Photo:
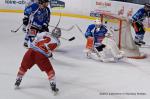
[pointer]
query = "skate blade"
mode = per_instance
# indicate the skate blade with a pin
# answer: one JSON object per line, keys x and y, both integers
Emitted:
{"x": 16, "y": 87}
{"x": 55, "y": 93}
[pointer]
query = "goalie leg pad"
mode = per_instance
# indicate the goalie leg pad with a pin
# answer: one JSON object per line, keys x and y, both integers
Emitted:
{"x": 89, "y": 43}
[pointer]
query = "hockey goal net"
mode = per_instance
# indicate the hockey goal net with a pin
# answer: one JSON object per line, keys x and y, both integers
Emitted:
{"x": 122, "y": 34}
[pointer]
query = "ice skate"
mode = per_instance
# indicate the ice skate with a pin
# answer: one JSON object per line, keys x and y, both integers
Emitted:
{"x": 54, "y": 88}
{"x": 137, "y": 43}
{"x": 17, "y": 83}
{"x": 142, "y": 42}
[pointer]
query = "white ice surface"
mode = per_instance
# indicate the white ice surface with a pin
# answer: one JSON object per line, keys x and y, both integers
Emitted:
{"x": 77, "y": 77}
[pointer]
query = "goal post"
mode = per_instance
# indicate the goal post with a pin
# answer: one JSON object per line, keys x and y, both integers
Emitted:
{"x": 122, "y": 34}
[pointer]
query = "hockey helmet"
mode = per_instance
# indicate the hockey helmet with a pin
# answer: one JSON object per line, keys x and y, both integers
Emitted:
{"x": 56, "y": 32}
{"x": 42, "y": 1}
{"x": 147, "y": 5}
{"x": 97, "y": 21}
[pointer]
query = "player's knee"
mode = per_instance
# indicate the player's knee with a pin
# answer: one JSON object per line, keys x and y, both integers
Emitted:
{"x": 22, "y": 71}
{"x": 50, "y": 73}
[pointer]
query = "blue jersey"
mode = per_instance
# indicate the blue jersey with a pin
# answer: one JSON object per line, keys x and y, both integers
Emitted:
{"x": 140, "y": 15}
{"x": 37, "y": 16}
{"x": 97, "y": 33}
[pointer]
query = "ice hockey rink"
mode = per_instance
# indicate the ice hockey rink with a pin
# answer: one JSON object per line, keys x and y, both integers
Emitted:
{"x": 77, "y": 77}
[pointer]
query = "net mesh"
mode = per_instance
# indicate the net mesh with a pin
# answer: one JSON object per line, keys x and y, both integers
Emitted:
{"x": 121, "y": 33}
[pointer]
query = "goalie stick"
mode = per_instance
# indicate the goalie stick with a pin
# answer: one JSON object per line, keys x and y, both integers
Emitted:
{"x": 14, "y": 31}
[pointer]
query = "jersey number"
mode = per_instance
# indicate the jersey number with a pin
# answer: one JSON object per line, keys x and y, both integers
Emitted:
{"x": 46, "y": 41}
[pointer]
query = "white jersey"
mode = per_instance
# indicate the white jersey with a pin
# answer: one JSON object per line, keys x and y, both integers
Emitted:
{"x": 45, "y": 43}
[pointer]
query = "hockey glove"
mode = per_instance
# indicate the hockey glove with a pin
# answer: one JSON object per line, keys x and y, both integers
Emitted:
{"x": 50, "y": 55}
{"x": 45, "y": 27}
{"x": 24, "y": 28}
{"x": 25, "y": 21}
{"x": 100, "y": 48}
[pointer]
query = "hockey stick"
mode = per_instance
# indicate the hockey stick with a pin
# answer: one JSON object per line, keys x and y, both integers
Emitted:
{"x": 70, "y": 39}
{"x": 69, "y": 29}
{"x": 79, "y": 29}
{"x": 145, "y": 46}
{"x": 128, "y": 20}
{"x": 14, "y": 31}
{"x": 58, "y": 21}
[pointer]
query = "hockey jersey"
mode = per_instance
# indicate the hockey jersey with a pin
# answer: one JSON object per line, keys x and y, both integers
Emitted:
{"x": 37, "y": 16}
{"x": 97, "y": 33}
{"x": 45, "y": 43}
{"x": 140, "y": 15}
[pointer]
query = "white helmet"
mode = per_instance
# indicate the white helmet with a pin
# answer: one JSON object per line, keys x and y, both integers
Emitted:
{"x": 56, "y": 32}
{"x": 98, "y": 22}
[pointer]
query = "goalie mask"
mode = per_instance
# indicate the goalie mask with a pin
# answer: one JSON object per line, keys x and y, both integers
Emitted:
{"x": 98, "y": 23}
{"x": 56, "y": 32}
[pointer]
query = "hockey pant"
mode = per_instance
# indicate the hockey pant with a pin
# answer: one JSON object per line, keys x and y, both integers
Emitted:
{"x": 139, "y": 31}
{"x": 31, "y": 58}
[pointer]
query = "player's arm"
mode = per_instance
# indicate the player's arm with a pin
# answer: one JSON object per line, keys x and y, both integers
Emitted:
{"x": 139, "y": 15}
{"x": 88, "y": 32}
{"x": 28, "y": 11}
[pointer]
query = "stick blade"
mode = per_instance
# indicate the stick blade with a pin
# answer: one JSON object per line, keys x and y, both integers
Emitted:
{"x": 71, "y": 39}
{"x": 13, "y": 31}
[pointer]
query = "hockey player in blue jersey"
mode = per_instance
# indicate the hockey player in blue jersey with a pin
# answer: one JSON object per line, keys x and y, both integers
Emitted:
{"x": 137, "y": 24}
{"x": 100, "y": 41}
{"x": 97, "y": 31}
{"x": 36, "y": 19}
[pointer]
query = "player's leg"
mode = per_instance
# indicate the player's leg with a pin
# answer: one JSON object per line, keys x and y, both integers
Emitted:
{"x": 27, "y": 63}
{"x": 89, "y": 46}
{"x": 139, "y": 33}
{"x": 112, "y": 49}
{"x": 45, "y": 65}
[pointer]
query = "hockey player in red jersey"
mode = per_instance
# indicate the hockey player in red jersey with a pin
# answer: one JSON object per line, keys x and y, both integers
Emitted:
{"x": 39, "y": 54}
